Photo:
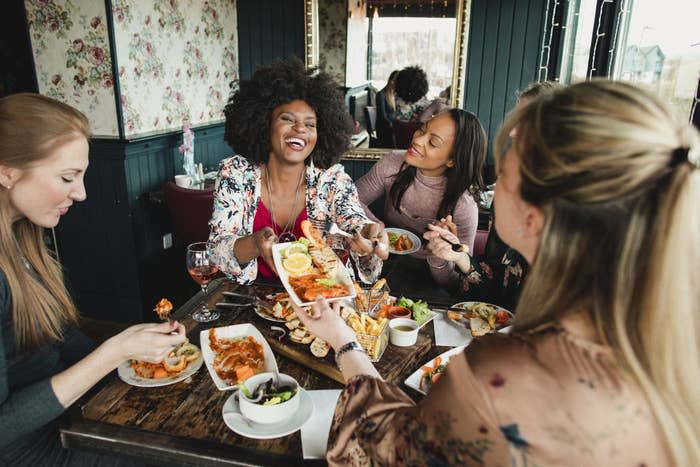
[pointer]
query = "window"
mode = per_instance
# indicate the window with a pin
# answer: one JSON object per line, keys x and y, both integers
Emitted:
{"x": 659, "y": 47}
{"x": 402, "y": 42}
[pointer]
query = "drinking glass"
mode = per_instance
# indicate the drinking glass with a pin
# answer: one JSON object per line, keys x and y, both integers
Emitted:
{"x": 202, "y": 267}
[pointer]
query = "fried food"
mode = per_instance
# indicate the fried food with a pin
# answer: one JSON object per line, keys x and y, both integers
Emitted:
{"x": 163, "y": 309}
{"x": 176, "y": 362}
{"x": 236, "y": 358}
{"x": 312, "y": 234}
{"x": 312, "y": 286}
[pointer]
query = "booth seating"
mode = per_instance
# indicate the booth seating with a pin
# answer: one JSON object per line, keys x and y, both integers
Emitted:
{"x": 403, "y": 133}
{"x": 190, "y": 211}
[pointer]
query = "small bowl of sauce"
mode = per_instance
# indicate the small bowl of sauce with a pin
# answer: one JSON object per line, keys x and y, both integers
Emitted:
{"x": 403, "y": 332}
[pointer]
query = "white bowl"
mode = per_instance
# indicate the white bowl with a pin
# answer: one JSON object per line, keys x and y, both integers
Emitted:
{"x": 267, "y": 414}
{"x": 403, "y": 337}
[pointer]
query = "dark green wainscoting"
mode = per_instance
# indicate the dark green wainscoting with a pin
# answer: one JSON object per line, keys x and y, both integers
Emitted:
{"x": 502, "y": 57}
{"x": 111, "y": 245}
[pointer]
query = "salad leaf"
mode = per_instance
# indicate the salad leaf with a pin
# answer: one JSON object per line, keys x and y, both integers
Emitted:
{"x": 421, "y": 312}
{"x": 406, "y": 302}
{"x": 329, "y": 282}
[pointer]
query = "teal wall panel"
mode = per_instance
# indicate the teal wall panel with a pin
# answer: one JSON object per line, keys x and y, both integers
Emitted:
{"x": 502, "y": 57}
{"x": 111, "y": 245}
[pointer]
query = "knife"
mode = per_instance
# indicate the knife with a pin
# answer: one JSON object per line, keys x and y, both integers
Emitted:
{"x": 254, "y": 299}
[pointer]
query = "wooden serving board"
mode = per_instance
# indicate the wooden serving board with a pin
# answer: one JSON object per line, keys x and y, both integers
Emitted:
{"x": 391, "y": 366}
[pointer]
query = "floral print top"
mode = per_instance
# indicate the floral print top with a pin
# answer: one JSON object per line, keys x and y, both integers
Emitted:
{"x": 496, "y": 276}
{"x": 330, "y": 194}
{"x": 410, "y": 112}
{"x": 535, "y": 398}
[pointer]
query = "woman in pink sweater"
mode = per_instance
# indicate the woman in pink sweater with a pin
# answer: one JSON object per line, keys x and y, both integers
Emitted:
{"x": 437, "y": 180}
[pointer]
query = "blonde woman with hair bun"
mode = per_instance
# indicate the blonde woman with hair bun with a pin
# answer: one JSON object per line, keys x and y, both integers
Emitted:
{"x": 46, "y": 362}
{"x": 599, "y": 194}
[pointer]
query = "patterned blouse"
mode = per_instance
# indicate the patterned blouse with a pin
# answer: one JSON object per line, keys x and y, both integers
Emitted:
{"x": 410, "y": 112}
{"x": 496, "y": 276}
{"x": 330, "y": 194}
{"x": 537, "y": 398}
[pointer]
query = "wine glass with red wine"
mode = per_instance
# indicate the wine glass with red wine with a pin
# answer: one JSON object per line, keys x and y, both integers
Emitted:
{"x": 203, "y": 269}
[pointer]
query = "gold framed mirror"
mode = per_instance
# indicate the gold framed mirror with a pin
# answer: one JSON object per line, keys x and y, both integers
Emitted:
{"x": 333, "y": 8}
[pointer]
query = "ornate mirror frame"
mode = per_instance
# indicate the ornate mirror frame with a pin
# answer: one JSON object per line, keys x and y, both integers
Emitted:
{"x": 463, "y": 12}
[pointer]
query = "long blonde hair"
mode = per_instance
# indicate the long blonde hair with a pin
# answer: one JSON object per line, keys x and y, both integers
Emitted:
{"x": 617, "y": 180}
{"x": 390, "y": 91}
{"x": 31, "y": 126}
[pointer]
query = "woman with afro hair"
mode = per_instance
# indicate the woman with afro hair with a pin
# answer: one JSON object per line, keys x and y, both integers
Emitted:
{"x": 288, "y": 127}
{"x": 411, "y": 88}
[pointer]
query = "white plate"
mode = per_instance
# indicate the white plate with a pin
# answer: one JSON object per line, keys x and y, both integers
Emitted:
{"x": 413, "y": 381}
{"x": 465, "y": 323}
{"x": 235, "y": 330}
{"x": 413, "y": 237}
{"x": 250, "y": 429}
{"x": 129, "y": 376}
{"x": 342, "y": 277}
{"x": 433, "y": 314}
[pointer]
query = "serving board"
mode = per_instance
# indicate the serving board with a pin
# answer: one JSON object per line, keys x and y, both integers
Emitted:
{"x": 394, "y": 361}
{"x": 391, "y": 366}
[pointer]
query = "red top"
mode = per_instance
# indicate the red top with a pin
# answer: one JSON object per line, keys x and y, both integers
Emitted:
{"x": 264, "y": 219}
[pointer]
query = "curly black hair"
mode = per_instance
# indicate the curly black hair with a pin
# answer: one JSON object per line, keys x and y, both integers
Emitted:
{"x": 411, "y": 84}
{"x": 249, "y": 110}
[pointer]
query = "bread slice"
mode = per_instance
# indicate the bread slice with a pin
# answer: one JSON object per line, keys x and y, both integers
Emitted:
{"x": 320, "y": 348}
{"x": 479, "y": 327}
{"x": 325, "y": 259}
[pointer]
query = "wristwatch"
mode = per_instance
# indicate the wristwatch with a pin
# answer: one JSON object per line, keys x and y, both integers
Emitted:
{"x": 350, "y": 346}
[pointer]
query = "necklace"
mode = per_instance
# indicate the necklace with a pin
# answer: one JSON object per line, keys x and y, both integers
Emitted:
{"x": 286, "y": 235}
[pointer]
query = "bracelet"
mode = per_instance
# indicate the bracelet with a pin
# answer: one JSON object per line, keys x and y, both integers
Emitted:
{"x": 345, "y": 348}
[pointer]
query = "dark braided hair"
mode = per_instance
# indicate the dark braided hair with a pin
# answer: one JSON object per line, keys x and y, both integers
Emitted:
{"x": 468, "y": 154}
{"x": 249, "y": 110}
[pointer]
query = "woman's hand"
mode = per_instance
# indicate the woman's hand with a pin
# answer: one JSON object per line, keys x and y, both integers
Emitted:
{"x": 149, "y": 342}
{"x": 264, "y": 239}
{"x": 325, "y": 322}
{"x": 372, "y": 238}
{"x": 437, "y": 245}
{"x": 447, "y": 223}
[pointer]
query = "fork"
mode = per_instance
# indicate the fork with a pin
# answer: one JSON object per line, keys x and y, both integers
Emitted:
{"x": 330, "y": 227}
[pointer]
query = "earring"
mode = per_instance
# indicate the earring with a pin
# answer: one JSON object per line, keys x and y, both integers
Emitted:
{"x": 9, "y": 187}
{"x": 519, "y": 230}
{"x": 311, "y": 164}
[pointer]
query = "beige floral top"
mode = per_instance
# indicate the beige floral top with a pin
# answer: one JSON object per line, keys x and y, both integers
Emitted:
{"x": 540, "y": 398}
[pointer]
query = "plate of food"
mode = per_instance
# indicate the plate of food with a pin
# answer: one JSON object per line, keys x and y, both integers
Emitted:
{"x": 309, "y": 268}
{"x": 480, "y": 318}
{"x": 402, "y": 242}
{"x": 181, "y": 363}
{"x": 234, "y": 353}
{"x": 279, "y": 311}
{"x": 424, "y": 377}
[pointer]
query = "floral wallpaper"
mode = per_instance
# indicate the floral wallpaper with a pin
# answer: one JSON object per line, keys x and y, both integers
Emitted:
{"x": 70, "y": 44}
{"x": 332, "y": 32}
{"x": 176, "y": 59}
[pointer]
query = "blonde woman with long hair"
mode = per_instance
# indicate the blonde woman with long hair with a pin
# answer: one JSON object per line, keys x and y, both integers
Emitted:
{"x": 598, "y": 191}
{"x": 46, "y": 363}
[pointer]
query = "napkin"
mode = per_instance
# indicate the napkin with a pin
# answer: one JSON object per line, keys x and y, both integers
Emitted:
{"x": 449, "y": 334}
{"x": 314, "y": 433}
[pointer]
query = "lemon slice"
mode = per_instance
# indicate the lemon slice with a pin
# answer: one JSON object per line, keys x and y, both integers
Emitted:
{"x": 297, "y": 263}
{"x": 295, "y": 248}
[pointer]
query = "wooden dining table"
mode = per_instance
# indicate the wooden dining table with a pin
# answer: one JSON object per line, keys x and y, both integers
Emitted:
{"x": 182, "y": 423}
